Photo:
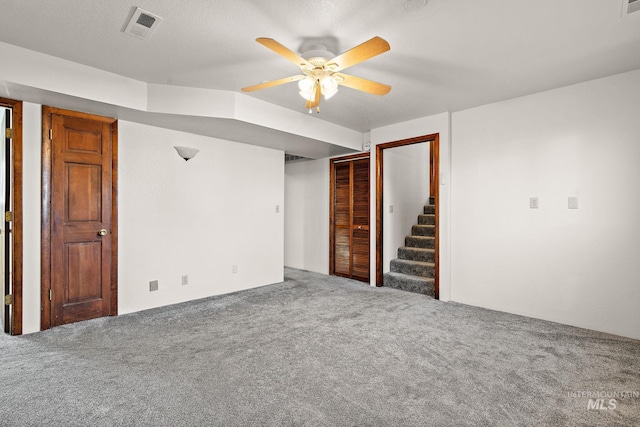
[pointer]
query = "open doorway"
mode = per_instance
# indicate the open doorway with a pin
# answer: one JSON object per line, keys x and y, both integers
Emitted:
{"x": 432, "y": 167}
{"x": 11, "y": 209}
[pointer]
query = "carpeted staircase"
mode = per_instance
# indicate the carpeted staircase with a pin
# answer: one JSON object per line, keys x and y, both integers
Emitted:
{"x": 414, "y": 269}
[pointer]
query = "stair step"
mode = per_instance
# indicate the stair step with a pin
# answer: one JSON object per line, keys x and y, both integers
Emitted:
{"x": 427, "y": 219}
{"x": 425, "y": 242}
{"x": 430, "y": 209}
{"x": 423, "y": 230}
{"x": 413, "y": 268}
{"x": 417, "y": 254}
{"x": 406, "y": 282}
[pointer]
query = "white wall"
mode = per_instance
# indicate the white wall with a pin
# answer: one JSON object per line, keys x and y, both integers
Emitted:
{"x": 129, "y": 97}
{"x": 196, "y": 218}
{"x": 31, "y": 214}
{"x": 406, "y": 189}
{"x": 306, "y": 230}
{"x": 578, "y": 267}
{"x": 439, "y": 124}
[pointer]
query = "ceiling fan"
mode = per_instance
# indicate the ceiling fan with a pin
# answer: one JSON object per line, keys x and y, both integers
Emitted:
{"x": 321, "y": 70}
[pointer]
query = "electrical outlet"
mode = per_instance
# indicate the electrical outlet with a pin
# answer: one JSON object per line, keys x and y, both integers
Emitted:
{"x": 153, "y": 285}
{"x": 277, "y": 208}
{"x": 185, "y": 280}
{"x": 234, "y": 269}
{"x": 390, "y": 208}
{"x": 533, "y": 202}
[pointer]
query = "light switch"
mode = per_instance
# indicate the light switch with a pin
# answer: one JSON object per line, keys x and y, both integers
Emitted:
{"x": 390, "y": 208}
{"x": 533, "y": 202}
{"x": 573, "y": 203}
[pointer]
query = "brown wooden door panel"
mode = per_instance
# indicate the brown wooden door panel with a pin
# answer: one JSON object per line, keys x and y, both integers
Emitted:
{"x": 360, "y": 237}
{"x": 81, "y": 206}
{"x": 342, "y": 252}
{"x": 350, "y": 217}
{"x": 84, "y": 184}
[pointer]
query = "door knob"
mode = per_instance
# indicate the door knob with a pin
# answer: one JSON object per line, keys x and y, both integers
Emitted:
{"x": 102, "y": 232}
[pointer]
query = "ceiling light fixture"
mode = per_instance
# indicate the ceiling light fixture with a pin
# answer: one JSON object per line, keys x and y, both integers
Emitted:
{"x": 187, "y": 153}
{"x": 309, "y": 86}
{"x": 322, "y": 69}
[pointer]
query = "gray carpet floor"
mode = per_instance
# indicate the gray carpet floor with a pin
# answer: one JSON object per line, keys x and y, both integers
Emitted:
{"x": 319, "y": 351}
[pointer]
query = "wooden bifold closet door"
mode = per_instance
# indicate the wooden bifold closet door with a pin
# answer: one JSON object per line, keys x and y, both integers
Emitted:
{"x": 349, "y": 238}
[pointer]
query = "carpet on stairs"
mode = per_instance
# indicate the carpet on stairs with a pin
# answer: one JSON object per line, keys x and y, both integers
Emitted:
{"x": 414, "y": 269}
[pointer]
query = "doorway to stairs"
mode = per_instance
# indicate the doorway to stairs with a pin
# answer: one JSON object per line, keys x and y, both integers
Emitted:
{"x": 433, "y": 167}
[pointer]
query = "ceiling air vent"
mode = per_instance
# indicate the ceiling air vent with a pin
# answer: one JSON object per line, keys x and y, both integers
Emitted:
{"x": 630, "y": 6}
{"x": 142, "y": 24}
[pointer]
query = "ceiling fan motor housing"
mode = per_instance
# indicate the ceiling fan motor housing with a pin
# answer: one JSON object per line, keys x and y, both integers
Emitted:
{"x": 318, "y": 57}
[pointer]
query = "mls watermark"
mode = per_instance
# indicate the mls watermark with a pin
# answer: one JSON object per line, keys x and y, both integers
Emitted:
{"x": 603, "y": 400}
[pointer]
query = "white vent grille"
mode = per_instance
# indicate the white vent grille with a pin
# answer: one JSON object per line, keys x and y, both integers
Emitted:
{"x": 630, "y": 6}
{"x": 292, "y": 158}
{"x": 142, "y": 24}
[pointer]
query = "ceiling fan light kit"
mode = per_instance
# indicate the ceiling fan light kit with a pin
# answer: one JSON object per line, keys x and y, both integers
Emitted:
{"x": 321, "y": 76}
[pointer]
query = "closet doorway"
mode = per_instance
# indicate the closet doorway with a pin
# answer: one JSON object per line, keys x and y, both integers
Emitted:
{"x": 349, "y": 217}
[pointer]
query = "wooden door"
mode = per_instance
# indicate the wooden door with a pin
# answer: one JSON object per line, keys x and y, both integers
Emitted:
{"x": 349, "y": 239}
{"x": 81, "y": 216}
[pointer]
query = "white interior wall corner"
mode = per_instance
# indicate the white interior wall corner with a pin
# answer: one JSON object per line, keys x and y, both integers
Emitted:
{"x": 570, "y": 266}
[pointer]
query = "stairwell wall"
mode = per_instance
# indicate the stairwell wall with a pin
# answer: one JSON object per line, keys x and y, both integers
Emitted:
{"x": 573, "y": 266}
{"x": 406, "y": 188}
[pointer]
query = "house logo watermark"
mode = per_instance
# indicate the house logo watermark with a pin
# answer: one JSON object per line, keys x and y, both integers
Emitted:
{"x": 603, "y": 400}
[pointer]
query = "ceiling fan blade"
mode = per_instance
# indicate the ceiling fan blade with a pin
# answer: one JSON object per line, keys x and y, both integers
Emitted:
{"x": 272, "y": 83}
{"x": 284, "y": 51}
{"x": 364, "y": 85}
{"x": 362, "y": 52}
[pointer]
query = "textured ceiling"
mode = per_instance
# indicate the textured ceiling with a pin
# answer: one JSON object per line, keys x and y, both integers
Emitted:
{"x": 447, "y": 56}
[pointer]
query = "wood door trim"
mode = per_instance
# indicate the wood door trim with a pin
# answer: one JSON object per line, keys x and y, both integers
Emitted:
{"x": 434, "y": 140}
{"x": 114, "y": 218}
{"x": 332, "y": 183}
{"x": 45, "y": 259}
{"x": 17, "y": 226}
{"x": 351, "y": 218}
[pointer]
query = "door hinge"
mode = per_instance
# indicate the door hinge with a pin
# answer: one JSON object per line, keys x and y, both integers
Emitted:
{"x": 8, "y": 133}
{"x": 8, "y": 299}
{"x": 51, "y": 134}
{"x": 50, "y": 295}
{"x": 8, "y": 216}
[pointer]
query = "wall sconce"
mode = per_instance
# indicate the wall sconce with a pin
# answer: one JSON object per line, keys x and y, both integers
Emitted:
{"x": 186, "y": 153}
